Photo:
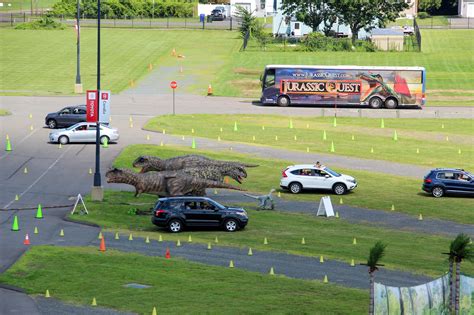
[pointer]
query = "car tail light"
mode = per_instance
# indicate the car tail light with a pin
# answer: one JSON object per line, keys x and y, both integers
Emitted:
{"x": 428, "y": 180}
{"x": 160, "y": 212}
{"x": 284, "y": 173}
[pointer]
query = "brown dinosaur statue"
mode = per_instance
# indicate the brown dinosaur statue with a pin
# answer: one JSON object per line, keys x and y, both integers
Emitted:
{"x": 211, "y": 168}
{"x": 166, "y": 183}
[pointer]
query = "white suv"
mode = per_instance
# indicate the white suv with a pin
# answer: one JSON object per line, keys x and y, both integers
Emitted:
{"x": 299, "y": 177}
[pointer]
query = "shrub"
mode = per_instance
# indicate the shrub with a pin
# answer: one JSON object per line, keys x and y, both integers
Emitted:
{"x": 423, "y": 15}
{"x": 45, "y": 23}
{"x": 318, "y": 42}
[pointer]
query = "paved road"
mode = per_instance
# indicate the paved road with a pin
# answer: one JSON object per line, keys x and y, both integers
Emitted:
{"x": 55, "y": 175}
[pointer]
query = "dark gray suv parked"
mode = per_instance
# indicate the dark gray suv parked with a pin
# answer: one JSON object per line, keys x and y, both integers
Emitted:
{"x": 66, "y": 117}
{"x": 175, "y": 213}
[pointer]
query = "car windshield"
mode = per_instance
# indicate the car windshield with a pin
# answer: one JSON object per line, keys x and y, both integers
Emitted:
{"x": 330, "y": 171}
{"x": 218, "y": 205}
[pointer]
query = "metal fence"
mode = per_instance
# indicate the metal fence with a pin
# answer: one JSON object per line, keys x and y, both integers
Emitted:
{"x": 448, "y": 23}
{"x": 13, "y": 19}
{"x": 416, "y": 29}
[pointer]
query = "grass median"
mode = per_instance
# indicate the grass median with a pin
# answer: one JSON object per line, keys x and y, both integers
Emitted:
{"x": 428, "y": 142}
{"x": 331, "y": 238}
{"x": 77, "y": 275}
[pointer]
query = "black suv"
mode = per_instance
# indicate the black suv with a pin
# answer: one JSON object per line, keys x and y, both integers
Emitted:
{"x": 218, "y": 15}
{"x": 66, "y": 117}
{"x": 441, "y": 181}
{"x": 175, "y": 213}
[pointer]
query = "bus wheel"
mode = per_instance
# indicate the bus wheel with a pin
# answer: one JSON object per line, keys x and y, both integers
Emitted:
{"x": 283, "y": 101}
{"x": 391, "y": 103}
{"x": 375, "y": 102}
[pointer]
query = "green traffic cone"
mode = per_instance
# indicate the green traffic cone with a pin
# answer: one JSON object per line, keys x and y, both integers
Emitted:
{"x": 332, "y": 146}
{"x": 395, "y": 136}
{"x": 8, "y": 146}
{"x": 382, "y": 124}
{"x": 15, "y": 224}
{"x": 334, "y": 122}
{"x": 235, "y": 126}
{"x": 193, "y": 145}
{"x": 105, "y": 144}
{"x": 324, "y": 135}
{"x": 39, "y": 212}
{"x": 291, "y": 124}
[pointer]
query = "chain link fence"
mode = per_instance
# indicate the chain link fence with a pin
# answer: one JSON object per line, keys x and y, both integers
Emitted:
{"x": 231, "y": 23}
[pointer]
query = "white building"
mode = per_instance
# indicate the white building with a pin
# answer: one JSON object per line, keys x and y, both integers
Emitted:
{"x": 260, "y": 8}
{"x": 466, "y": 8}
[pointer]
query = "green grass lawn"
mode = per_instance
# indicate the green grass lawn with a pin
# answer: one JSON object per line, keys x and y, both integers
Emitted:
{"x": 437, "y": 20}
{"x": 25, "y": 5}
{"x": 331, "y": 238}
{"x": 405, "y": 193}
{"x": 77, "y": 275}
{"x": 49, "y": 68}
{"x": 429, "y": 137}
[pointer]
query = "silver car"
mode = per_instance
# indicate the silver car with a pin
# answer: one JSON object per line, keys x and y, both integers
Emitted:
{"x": 83, "y": 132}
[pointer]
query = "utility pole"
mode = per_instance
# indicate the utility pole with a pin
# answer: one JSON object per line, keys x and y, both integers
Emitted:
{"x": 97, "y": 190}
{"x": 78, "y": 85}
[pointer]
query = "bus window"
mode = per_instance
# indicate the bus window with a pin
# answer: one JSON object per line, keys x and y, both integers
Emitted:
{"x": 269, "y": 78}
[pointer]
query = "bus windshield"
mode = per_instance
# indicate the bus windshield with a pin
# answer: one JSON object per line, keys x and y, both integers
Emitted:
{"x": 269, "y": 78}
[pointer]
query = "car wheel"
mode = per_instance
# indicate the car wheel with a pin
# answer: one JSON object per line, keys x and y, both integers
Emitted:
{"x": 175, "y": 226}
{"x": 391, "y": 103}
{"x": 339, "y": 189}
{"x": 63, "y": 140}
{"x": 295, "y": 188}
{"x": 102, "y": 139}
{"x": 52, "y": 123}
{"x": 283, "y": 101}
{"x": 231, "y": 225}
{"x": 437, "y": 192}
{"x": 375, "y": 102}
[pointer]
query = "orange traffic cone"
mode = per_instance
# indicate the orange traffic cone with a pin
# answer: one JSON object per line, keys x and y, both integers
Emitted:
{"x": 27, "y": 240}
{"x": 102, "y": 244}
{"x": 209, "y": 90}
{"x": 167, "y": 255}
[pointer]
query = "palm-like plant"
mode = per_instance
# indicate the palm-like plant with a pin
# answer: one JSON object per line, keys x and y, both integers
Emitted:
{"x": 460, "y": 249}
{"x": 375, "y": 255}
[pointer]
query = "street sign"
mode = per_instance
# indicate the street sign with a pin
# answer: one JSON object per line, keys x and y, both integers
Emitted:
{"x": 91, "y": 106}
{"x": 104, "y": 107}
{"x": 173, "y": 85}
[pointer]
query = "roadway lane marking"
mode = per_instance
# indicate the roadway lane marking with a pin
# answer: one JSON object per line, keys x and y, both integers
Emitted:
{"x": 40, "y": 177}
{"x": 19, "y": 142}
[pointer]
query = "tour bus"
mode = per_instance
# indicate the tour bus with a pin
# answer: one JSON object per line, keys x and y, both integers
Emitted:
{"x": 377, "y": 87}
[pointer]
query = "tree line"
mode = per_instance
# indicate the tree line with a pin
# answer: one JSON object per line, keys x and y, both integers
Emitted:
{"x": 126, "y": 8}
{"x": 321, "y": 15}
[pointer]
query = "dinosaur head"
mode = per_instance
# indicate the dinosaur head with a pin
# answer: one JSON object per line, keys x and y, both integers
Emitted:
{"x": 116, "y": 175}
{"x": 145, "y": 163}
{"x": 236, "y": 173}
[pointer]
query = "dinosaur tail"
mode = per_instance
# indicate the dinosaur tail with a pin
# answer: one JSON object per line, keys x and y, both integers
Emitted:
{"x": 216, "y": 184}
{"x": 247, "y": 195}
{"x": 250, "y": 165}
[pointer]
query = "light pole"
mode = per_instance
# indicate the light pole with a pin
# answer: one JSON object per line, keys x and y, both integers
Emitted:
{"x": 97, "y": 190}
{"x": 78, "y": 85}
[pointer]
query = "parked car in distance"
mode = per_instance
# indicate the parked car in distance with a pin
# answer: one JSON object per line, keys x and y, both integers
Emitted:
{"x": 177, "y": 213}
{"x": 442, "y": 181}
{"x": 308, "y": 176}
{"x": 218, "y": 15}
{"x": 66, "y": 117}
{"x": 83, "y": 132}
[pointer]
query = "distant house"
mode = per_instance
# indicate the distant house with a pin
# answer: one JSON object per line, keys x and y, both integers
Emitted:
{"x": 260, "y": 8}
{"x": 466, "y": 8}
{"x": 412, "y": 11}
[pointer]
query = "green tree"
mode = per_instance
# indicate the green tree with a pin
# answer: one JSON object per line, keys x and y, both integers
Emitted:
{"x": 310, "y": 12}
{"x": 429, "y": 5}
{"x": 249, "y": 23}
{"x": 365, "y": 14}
{"x": 375, "y": 255}
{"x": 460, "y": 249}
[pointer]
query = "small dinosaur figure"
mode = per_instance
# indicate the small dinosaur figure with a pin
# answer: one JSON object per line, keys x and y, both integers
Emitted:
{"x": 235, "y": 170}
{"x": 167, "y": 183}
{"x": 265, "y": 201}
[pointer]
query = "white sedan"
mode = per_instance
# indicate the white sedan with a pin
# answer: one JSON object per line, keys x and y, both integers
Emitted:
{"x": 83, "y": 132}
{"x": 307, "y": 176}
